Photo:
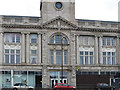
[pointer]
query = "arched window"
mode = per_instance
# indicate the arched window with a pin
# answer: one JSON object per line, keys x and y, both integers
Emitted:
{"x": 58, "y": 39}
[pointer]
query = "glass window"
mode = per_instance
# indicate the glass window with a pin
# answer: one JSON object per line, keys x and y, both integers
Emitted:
{"x": 12, "y": 56}
{"x": 86, "y": 57}
{"x": 58, "y": 56}
{"x": 65, "y": 56}
{"x": 33, "y": 38}
{"x": 57, "y": 59}
{"x": 109, "y": 58}
{"x": 52, "y": 56}
{"x": 12, "y": 38}
{"x": 58, "y": 39}
{"x": 108, "y": 41}
{"x": 33, "y": 56}
{"x": 52, "y": 40}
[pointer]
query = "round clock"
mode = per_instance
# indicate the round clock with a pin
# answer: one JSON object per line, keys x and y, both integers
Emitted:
{"x": 58, "y": 5}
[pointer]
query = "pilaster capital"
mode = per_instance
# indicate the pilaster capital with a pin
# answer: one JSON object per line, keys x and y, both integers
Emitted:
{"x": 25, "y": 32}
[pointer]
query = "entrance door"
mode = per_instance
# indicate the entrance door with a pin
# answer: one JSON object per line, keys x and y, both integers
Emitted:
{"x": 38, "y": 81}
{"x": 55, "y": 81}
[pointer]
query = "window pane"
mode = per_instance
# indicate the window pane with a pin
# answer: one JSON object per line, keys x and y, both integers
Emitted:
{"x": 86, "y": 59}
{"x": 113, "y": 60}
{"x": 65, "y": 56}
{"x": 86, "y": 53}
{"x": 104, "y": 60}
{"x": 6, "y": 50}
{"x": 91, "y": 53}
{"x": 33, "y": 52}
{"x": 33, "y": 59}
{"x": 12, "y": 51}
{"x": 33, "y": 38}
{"x": 6, "y": 59}
{"x": 91, "y": 59}
{"x": 6, "y": 37}
{"x": 12, "y": 38}
{"x": 12, "y": 59}
{"x": 52, "y": 40}
{"x": 17, "y": 51}
{"x": 64, "y": 40}
{"x": 104, "y": 41}
{"x": 58, "y": 56}
{"x": 17, "y": 59}
{"x": 58, "y": 39}
{"x": 81, "y": 59}
{"x": 81, "y": 53}
{"x": 52, "y": 57}
{"x": 108, "y": 41}
{"x": 17, "y": 38}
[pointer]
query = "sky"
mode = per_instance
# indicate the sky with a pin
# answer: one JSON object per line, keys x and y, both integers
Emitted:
{"x": 106, "y": 10}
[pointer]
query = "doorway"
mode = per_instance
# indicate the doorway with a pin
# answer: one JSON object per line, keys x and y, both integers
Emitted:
{"x": 53, "y": 82}
{"x": 38, "y": 81}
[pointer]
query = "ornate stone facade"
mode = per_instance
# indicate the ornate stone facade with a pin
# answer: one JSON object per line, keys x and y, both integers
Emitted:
{"x": 61, "y": 23}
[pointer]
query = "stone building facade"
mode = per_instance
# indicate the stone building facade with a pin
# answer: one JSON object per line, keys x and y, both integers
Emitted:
{"x": 35, "y": 50}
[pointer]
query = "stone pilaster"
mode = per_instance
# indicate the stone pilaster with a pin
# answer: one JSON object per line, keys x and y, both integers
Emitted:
{"x": 73, "y": 59}
{"x": 23, "y": 49}
{"x": 28, "y": 48}
{"x": 78, "y": 52}
{"x": 44, "y": 49}
{"x": 1, "y": 48}
{"x": 117, "y": 51}
{"x": 100, "y": 50}
{"x": 45, "y": 77}
{"x": 96, "y": 51}
{"x": 73, "y": 76}
{"x": 39, "y": 48}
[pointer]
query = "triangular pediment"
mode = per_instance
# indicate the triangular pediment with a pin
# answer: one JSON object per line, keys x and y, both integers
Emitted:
{"x": 59, "y": 23}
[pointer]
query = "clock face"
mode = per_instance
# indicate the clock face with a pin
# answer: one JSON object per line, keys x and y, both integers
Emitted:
{"x": 58, "y": 5}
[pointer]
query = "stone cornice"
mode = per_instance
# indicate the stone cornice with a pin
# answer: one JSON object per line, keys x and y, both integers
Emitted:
{"x": 99, "y": 30}
{"x": 42, "y": 27}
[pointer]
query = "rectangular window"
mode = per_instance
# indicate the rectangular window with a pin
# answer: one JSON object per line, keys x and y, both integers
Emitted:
{"x": 33, "y": 56}
{"x": 104, "y": 57}
{"x": 58, "y": 56}
{"x": 113, "y": 58}
{"x": 12, "y": 56}
{"x": 12, "y": 38}
{"x": 34, "y": 38}
{"x": 52, "y": 56}
{"x": 81, "y": 57}
{"x": 86, "y": 57}
{"x": 109, "y": 58}
{"x": 65, "y": 56}
{"x": 108, "y": 41}
{"x": 57, "y": 59}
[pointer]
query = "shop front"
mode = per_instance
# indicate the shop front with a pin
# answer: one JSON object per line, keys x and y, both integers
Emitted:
{"x": 10, "y": 77}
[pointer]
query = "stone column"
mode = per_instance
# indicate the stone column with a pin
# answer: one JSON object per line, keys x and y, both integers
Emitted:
{"x": 39, "y": 48}
{"x": 117, "y": 51}
{"x": 1, "y": 49}
{"x": 100, "y": 50}
{"x": 96, "y": 51}
{"x": 28, "y": 48}
{"x": 78, "y": 52}
{"x": 23, "y": 49}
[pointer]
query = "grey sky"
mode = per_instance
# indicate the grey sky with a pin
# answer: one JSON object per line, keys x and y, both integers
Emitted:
{"x": 106, "y": 10}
